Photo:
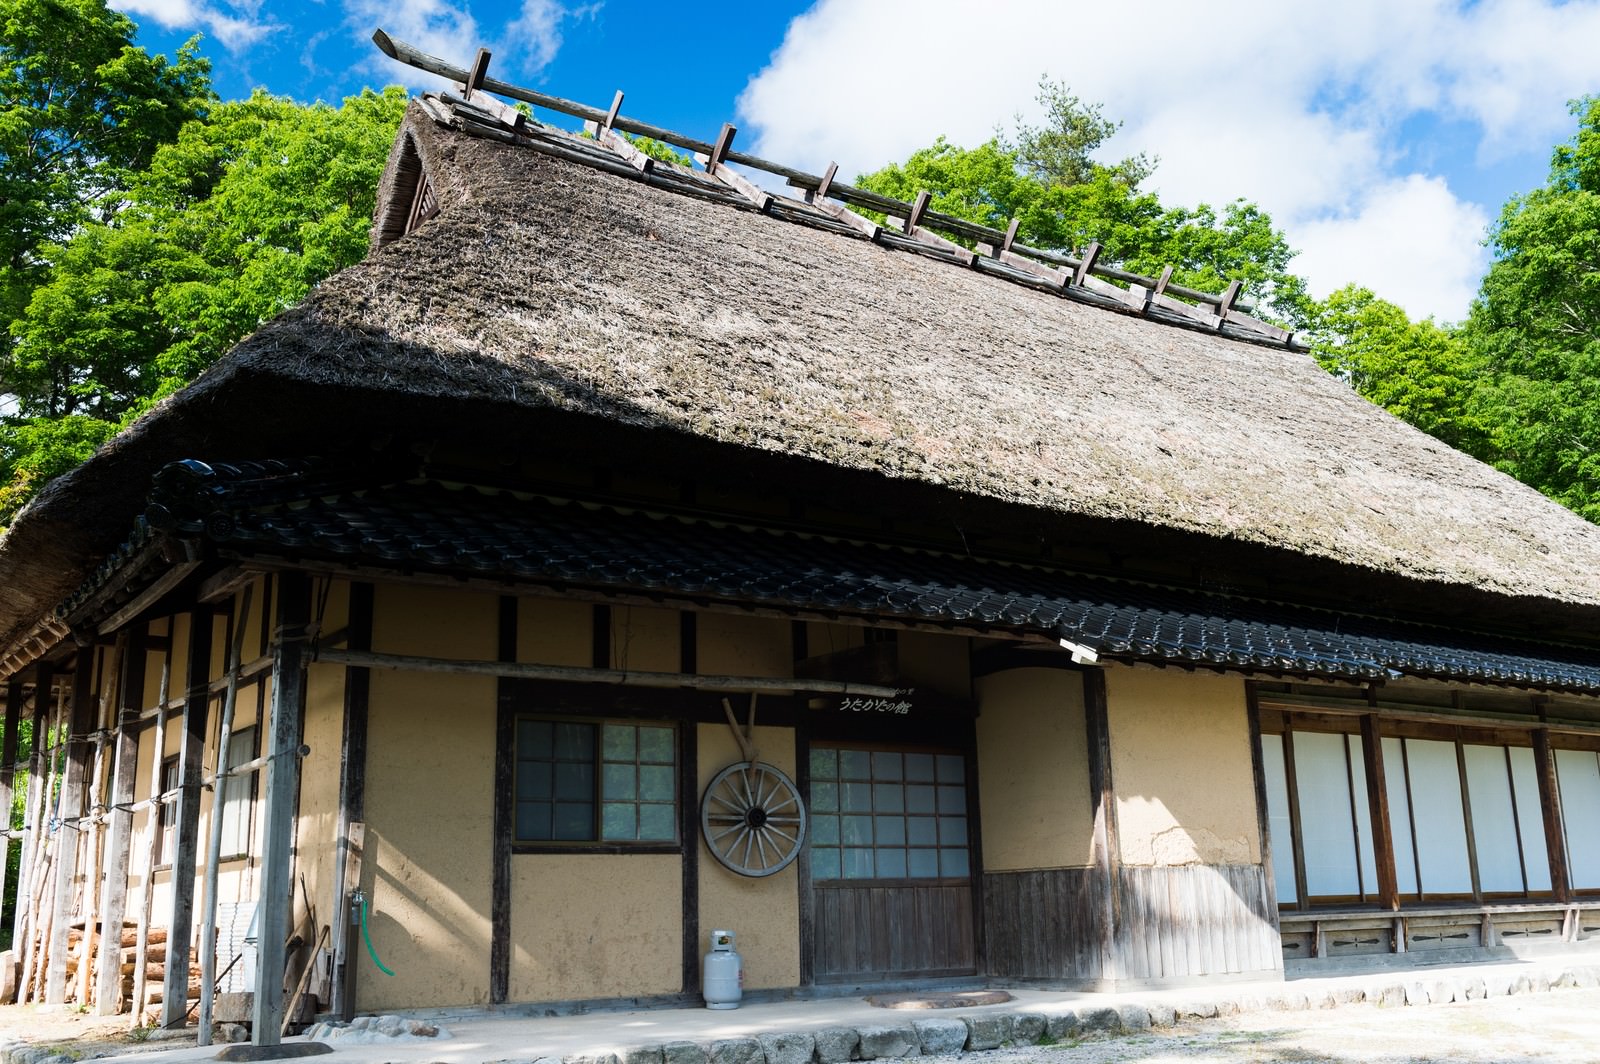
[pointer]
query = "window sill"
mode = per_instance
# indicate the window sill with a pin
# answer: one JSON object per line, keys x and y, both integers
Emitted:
{"x": 596, "y": 847}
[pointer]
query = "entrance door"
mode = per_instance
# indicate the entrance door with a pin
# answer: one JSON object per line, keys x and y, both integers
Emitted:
{"x": 891, "y": 865}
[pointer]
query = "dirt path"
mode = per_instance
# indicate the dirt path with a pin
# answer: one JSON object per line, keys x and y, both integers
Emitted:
{"x": 1563, "y": 1025}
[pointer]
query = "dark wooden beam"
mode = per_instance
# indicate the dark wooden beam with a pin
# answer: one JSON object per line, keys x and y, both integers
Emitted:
{"x": 1263, "y": 816}
{"x": 1107, "y": 860}
{"x": 802, "y": 863}
{"x": 1292, "y": 785}
{"x": 71, "y": 833}
{"x": 689, "y": 827}
{"x": 1555, "y": 838}
{"x": 276, "y": 897}
{"x": 352, "y": 799}
{"x": 1466, "y": 816}
{"x": 601, "y": 654}
{"x": 1378, "y": 806}
{"x": 125, "y": 766}
{"x": 505, "y": 812}
{"x": 186, "y": 830}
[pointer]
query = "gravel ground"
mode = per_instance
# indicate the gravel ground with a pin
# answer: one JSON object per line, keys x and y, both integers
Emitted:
{"x": 1563, "y": 1025}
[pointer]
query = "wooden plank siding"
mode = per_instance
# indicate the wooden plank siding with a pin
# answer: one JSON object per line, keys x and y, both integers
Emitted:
{"x": 1043, "y": 924}
{"x": 884, "y": 929}
{"x": 1194, "y": 920}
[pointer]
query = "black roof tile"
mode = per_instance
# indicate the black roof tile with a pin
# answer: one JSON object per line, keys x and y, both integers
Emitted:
{"x": 494, "y": 534}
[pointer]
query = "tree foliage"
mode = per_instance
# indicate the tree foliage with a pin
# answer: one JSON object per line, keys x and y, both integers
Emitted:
{"x": 1063, "y": 200}
{"x": 1419, "y": 371}
{"x": 82, "y": 109}
{"x": 229, "y": 224}
{"x": 1536, "y": 324}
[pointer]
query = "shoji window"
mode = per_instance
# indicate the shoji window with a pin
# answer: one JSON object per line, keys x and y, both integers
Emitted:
{"x": 1323, "y": 776}
{"x": 1579, "y": 774}
{"x": 1429, "y": 818}
{"x": 1451, "y": 803}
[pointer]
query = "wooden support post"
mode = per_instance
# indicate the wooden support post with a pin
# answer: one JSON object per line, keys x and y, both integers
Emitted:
{"x": 186, "y": 833}
{"x": 72, "y": 810}
{"x": 1263, "y": 819}
{"x": 114, "y": 895}
{"x": 95, "y": 809}
{"x": 352, "y": 802}
{"x": 719, "y": 151}
{"x": 1106, "y": 855}
{"x": 219, "y": 787}
{"x": 1555, "y": 839}
{"x": 283, "y": 772}
{"x": 475, "y": 76}
{"x": 1378, "y": 806}
{"x": 8, "y": 774}
{"x": 147, "y": 881}
{"x": 26, "y": 929}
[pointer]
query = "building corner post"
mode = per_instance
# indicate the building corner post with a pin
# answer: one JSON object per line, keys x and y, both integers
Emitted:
{"x": 289, "y": 660}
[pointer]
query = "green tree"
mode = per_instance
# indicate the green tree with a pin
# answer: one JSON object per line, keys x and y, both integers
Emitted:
{"x": 81, "y": 109}
{"x": 1536, "y": 325}
{"x": 1060, "y": 151}
{"x": 1419, "y": 371}
{"x": 991, "y": 185}
{"x": 230, "y": 224}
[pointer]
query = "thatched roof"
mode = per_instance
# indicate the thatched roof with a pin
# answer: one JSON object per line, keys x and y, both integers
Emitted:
{"x": 546, "y": 289}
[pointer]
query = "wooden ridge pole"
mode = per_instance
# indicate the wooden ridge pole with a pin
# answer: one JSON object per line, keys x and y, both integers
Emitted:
{"x": 114, "y": 889}
{"x": 147, "y": 881}
{"x": 208, "y": 917}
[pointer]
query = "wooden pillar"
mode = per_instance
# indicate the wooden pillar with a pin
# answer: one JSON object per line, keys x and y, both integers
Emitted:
{"x": 95, "y": 818}
{"x": 219, "y": 790}
{"x": 283, "y": 774}
{"x": 30, "y": 822}
{"x": 41, "y": 779}
{"x": 147, "y": 881}
{"x": 1555, "y": 837}
{"x": 186, "y": 832}
{"x": 1378, "y": 806}
{"x": 352, "y": 803}
{"x": 1106, "y": 853}
{"x": 114, "y": 887}
{"x": 1258, "y": 771}
{"x": 8, "y": 776}
{"x": 70, "y": 832}
{"x": 505, "y": 762}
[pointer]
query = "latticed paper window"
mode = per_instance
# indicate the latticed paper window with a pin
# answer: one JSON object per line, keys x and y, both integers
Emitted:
{"x": 584, "y": 782}
{"x": 888, "y": 814}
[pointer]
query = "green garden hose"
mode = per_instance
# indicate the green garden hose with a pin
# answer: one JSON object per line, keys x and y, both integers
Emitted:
{"x": 367, "y": 936}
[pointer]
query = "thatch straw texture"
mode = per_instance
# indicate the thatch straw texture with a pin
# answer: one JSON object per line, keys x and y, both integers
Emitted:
{"x": 546, "y": 285}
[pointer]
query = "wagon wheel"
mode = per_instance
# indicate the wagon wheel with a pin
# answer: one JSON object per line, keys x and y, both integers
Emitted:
{"x": 752, "y": 819}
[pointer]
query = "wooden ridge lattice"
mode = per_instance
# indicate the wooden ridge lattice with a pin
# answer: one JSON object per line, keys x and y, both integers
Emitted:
{"x": 822, "y": 201}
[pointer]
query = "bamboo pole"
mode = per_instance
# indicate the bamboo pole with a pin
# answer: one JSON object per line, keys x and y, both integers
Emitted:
{"x": 147, "y": 882}
{"x": 208, "y": 918}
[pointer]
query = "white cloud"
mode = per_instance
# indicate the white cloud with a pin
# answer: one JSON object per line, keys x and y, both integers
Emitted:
{"x": 1299, "y": 107}
{"x": 523, "y": 45}
{"x": 233, "y": 31}
{"x": 1405, "y": 243}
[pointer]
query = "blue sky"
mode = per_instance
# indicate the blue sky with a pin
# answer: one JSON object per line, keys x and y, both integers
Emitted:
{"x": 1382, "y": 135}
